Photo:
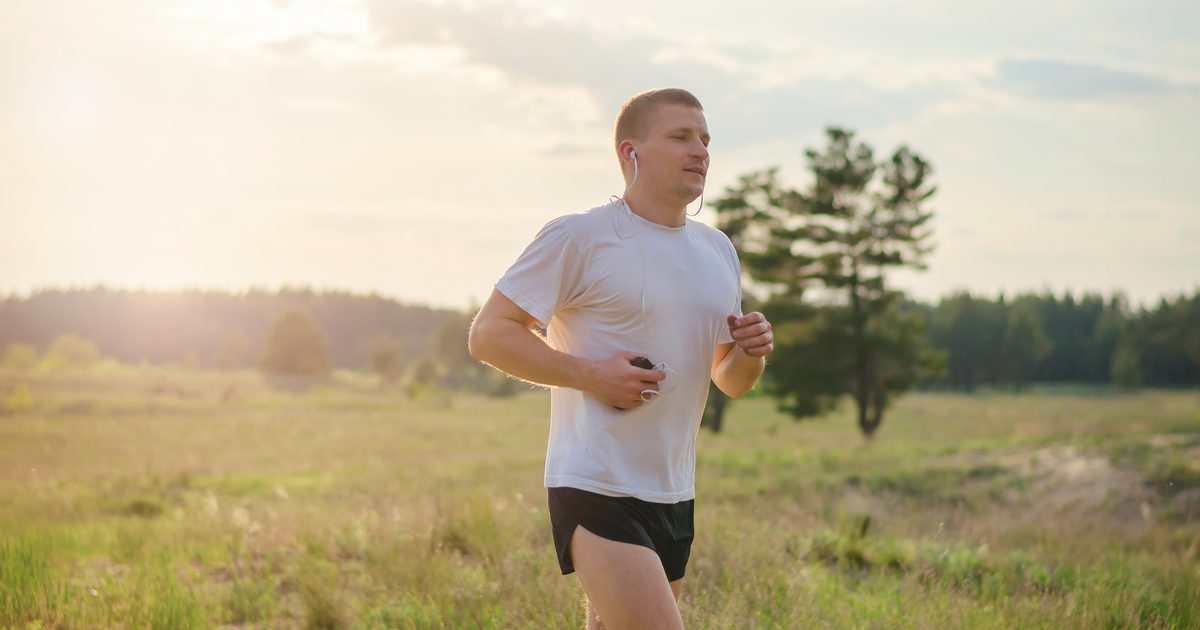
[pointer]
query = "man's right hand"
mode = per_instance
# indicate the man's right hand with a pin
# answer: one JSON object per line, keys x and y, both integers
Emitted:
{"x": 618, "y": 383}
{"x": 500, "y": 336}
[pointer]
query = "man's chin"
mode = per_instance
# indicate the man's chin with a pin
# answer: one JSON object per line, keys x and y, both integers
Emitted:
{"x": 689, "y": 194}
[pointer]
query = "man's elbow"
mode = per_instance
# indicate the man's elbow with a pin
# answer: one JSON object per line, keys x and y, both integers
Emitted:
{"x": 476, "y": 340}
{"x": 732, "y": 390}
{"x": 736, "y": 392}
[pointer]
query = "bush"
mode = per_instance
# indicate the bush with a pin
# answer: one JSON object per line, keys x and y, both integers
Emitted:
{"x": 295, "y": 346}
{"x": 20, "y": 356}
{"x": 19, "y": 399}
{"x": 70, "y": 352}
{"x": 386, "y": 354}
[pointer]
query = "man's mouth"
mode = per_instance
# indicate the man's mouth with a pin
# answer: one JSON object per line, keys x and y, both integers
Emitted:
{"x": 698, "y": 171}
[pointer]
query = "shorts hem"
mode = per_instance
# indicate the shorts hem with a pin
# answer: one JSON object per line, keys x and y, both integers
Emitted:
{"x": 611, "y": 490}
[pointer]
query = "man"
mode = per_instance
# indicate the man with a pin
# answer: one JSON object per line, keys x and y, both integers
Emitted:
{"x": 630, "y": 279}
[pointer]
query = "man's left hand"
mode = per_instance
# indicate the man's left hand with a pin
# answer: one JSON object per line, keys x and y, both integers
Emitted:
{"x": 752, "y": 333}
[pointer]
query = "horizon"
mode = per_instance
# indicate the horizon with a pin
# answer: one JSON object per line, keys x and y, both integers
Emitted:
{"x": 409, "y": 302}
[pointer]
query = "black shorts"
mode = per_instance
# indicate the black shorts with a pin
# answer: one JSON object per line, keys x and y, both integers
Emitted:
{"x": 667, "y": 528}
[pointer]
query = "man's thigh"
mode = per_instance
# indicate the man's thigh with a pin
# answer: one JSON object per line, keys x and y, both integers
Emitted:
{"x": 624, "y": 582}
{"x": 677, "y": 589}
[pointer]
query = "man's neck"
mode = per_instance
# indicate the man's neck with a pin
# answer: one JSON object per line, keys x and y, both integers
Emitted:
{"x": 662, "y": 212}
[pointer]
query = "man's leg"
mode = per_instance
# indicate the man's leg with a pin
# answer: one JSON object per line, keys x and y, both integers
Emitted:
{"x": 593, "y": 619}
{"x": 625, "y": 584}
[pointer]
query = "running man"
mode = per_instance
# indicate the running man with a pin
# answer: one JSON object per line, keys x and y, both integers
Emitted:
{"x": 641, "y": 306}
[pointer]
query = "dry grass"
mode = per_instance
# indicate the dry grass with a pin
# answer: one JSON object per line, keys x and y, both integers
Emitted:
{"x": 137, "y": 497}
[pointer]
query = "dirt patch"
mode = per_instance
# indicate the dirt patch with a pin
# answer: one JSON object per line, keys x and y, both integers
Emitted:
{"x": 1038, "y": 487}
{"x": 1069, "y": 482}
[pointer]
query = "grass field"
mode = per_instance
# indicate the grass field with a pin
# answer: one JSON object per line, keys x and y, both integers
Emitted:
{"x": 143, "y": 497}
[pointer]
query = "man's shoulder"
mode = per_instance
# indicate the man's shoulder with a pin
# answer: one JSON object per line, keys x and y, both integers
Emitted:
{"x": 583, "y": 226}
{"x": 712, "y": 234}
{"x": 706, "y": 229}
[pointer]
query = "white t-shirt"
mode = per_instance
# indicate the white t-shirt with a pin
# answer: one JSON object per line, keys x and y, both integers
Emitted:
{"x": 582, "y": 276}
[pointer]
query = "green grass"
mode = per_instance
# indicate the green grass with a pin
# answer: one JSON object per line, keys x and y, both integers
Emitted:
{"x": 143, "y": 497}
{"x": 30, "y": 588}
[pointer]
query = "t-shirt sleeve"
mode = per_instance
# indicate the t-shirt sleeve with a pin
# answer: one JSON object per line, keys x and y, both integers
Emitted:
{"x": 726, "y": 336}
{"x": 547, "y": 275}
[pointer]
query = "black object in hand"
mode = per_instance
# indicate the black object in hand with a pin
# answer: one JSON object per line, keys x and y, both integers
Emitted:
{"x": 641, "y": 362}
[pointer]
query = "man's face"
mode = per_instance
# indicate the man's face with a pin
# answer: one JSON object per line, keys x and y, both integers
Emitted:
{"x": 673, "y": 157}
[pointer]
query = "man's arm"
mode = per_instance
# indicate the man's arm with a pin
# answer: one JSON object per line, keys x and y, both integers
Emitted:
{"x": 737, "y": 365}
{"x": 501, "y": 337}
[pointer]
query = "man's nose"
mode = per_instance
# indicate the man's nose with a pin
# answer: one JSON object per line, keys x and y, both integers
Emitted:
{"x": 700, "y": 151}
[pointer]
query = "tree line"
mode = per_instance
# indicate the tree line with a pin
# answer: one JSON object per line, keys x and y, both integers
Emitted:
{"x": 977, "y": 340}
{"x": 214, "y": 329}
{"x": 296, "y": 337}
{"x": 1044, "y": 338}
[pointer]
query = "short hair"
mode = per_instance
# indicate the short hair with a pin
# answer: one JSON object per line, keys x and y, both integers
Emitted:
{"x": 634, "y": 114}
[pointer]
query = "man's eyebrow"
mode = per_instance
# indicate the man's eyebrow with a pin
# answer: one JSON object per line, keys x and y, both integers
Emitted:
{"x": 689, "y": 130}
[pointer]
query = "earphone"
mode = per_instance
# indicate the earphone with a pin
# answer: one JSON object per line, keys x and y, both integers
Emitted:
{"x": 672, "y": 379}
{"x": 633, "y": 156}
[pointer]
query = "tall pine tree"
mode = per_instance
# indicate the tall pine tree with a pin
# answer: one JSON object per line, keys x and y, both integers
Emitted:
{"x": 835, "y": 241}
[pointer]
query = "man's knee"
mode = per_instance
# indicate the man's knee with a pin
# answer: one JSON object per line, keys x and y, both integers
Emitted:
{"x": 594, "y": 622}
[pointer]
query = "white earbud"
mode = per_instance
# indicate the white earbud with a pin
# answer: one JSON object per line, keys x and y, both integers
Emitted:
{"x": 632, "y": 156}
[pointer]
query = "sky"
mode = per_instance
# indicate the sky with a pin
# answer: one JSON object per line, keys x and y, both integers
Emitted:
{"x": 413, "y": 148}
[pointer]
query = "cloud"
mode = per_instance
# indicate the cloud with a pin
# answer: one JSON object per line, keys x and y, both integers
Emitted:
{"x": 811, "y": 104}
{"x": 321, "y": 105}
{"x": 352, "y": 221}
{"x": 299, "y": 45}
{"x": 570, "y": 149}
{"x": 1073, "y": 214}
{"x": 1064, "y": 214}
{"x": 528, "y": 48}
{"x": 1050, "y": 79}
{"x": 1136, "y": 214}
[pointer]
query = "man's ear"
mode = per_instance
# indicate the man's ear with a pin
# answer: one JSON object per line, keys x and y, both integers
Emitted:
{"x": 626, "y": 151}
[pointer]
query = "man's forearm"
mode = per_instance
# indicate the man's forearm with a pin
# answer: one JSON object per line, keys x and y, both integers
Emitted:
{"x": 513, "y": 349}
{"x": 738, "y": 372}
